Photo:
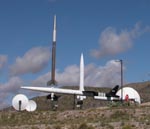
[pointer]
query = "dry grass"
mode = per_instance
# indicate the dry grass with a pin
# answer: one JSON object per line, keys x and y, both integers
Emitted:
{"x": 94, "y": 118}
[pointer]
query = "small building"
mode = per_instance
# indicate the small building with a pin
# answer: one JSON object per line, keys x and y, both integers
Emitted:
{"x": 132, "y": 94}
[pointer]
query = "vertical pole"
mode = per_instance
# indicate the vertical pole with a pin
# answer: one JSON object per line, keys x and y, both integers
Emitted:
{"x": 74, "y": 102}
{"x": 20, "y": 105}
{"x": 121, "y": 80}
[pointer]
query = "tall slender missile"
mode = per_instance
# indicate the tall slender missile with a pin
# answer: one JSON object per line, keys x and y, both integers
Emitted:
{"x": 53, "y": 81}
{"x": 54, "y": 90}
{"x": 81, "y": 73}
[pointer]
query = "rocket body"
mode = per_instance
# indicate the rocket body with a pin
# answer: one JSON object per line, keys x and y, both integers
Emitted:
{"x": 54, "y": 30}
{"x": 81, "y": 73}
{"x": 53, "y": 81}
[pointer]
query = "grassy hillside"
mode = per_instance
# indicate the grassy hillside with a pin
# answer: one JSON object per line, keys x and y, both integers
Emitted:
{"x": 93, "y": 118}
{"x": 95, "y": 114}
{"x": 143, "y": 88}
{"x": 66, "y": 102}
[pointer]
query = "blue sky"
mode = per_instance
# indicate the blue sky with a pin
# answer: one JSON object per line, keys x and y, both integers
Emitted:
{"x": 103, "y": 30}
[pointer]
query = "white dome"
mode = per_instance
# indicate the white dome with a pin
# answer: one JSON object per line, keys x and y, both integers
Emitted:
{"x": 132, "y": 93}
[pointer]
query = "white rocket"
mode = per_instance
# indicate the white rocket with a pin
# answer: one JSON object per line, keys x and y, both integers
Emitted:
{"x": 61, "y": 90}
{"x": 81, "y": 93}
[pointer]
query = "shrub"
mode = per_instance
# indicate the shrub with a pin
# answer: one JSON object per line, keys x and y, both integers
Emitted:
{"x": 127, "y": 127}
{"x": 85, "y": 126}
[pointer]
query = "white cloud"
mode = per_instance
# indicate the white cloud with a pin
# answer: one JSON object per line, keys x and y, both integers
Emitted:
{"x": 103, "y": 76}
{"x": 99, "y": 76}
{"x": 3, "y": 104}
{"x": 8, "y": 89}
{"x": 3, "y": 61}
{"x": 33, "y": 61}
{"x": 70, "y": 76}
{"x": 112, "y": 42}
{"x": 11, "y": 88}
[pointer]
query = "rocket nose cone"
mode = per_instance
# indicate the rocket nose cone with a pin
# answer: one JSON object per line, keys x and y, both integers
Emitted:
{"x": 54, "y": 22}
{"x": 54, "y": 31}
